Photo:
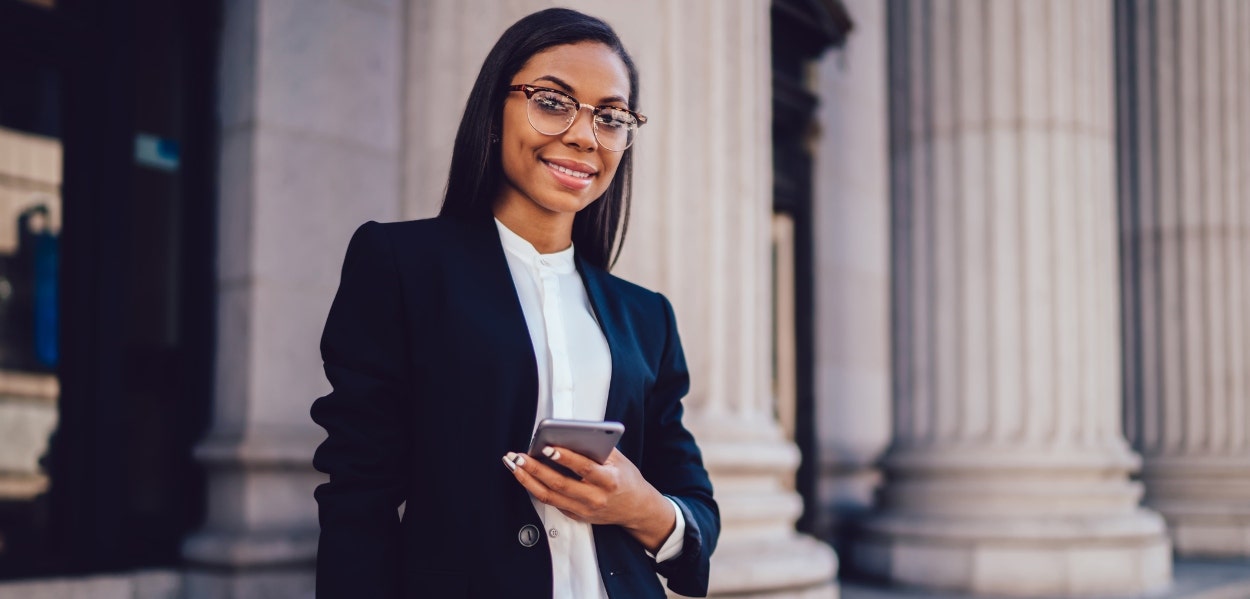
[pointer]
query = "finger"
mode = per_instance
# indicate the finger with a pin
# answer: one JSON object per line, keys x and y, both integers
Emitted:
{"x": 616, "y": 458}
{"x": 585, "y": 467}
{"x": 553, "y": 479}
{"x": 535, "y": 487}
{"x": 572, "y": 516}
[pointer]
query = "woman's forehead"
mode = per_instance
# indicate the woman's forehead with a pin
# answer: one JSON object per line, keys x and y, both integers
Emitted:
{"x": 590, "y": 70}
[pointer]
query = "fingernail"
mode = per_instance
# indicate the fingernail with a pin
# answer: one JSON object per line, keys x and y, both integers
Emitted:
{"x": 511, "y": 456}
{"x": 519, "y": 460}
{"x": 547, "y": 451}
{"x": 509, "y": 464}
{"x": 555, "y": 455}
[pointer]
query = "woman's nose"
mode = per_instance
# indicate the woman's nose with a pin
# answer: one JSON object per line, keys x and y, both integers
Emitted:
{"x": 581, "y": 134}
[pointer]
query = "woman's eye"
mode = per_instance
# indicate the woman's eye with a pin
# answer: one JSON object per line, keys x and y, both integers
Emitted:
{"x": 551, "y": 104}
{"x": 615, "y": 119}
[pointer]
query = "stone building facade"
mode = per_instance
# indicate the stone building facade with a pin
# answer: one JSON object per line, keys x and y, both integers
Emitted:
{"x": 1029, "y": 275}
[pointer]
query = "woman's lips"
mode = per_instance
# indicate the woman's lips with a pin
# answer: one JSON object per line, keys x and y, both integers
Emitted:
{"x": 569, "y": 175}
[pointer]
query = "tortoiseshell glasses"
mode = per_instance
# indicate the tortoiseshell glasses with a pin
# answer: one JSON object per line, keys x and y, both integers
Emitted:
{"x": 552, "y": 112}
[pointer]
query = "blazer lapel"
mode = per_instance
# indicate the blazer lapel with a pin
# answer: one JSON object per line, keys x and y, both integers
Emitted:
{"x": 497, "y": 300}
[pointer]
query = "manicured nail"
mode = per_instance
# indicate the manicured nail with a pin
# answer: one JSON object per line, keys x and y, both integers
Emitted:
{"x": 547, "y": 451}
{"x": 511, "y": 456}
{"x": 555, "y": 455}
{"x": 519, "y": 460}
{"x": 509, "y": 464}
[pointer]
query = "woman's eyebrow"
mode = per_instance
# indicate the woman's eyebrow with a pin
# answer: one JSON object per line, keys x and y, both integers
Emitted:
{"x": 569, "y": 89}
{"x": 558, "y": 81}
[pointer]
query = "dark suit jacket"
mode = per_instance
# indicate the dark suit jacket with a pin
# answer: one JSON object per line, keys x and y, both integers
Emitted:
{"x": 435, "y": 379}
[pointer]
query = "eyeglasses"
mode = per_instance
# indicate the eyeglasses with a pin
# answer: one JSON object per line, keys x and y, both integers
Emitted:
{"x": 552, "y": 112}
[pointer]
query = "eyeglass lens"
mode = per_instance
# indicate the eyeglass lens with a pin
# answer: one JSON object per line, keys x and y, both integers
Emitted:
{"x": 552, "y": 113}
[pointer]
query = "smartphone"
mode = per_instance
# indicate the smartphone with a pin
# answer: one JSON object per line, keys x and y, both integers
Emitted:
{"x": 591, "y": 438}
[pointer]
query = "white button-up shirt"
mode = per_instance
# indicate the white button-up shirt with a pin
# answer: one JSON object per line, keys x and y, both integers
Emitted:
{"x": 574, "y": 371}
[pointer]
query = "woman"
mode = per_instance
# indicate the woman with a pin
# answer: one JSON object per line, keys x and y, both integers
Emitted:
{"x": 450, "y": 338}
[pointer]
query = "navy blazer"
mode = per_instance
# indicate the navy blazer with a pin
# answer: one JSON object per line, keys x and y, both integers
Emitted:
{"x": 434, "y": 380}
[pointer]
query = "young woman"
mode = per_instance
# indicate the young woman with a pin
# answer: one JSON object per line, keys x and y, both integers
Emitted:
{"x": 450, "y": 338}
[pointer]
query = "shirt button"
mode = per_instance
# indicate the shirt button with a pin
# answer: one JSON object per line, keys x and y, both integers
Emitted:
{"x": 544, "y": 262}
{"x": 554, "y": 533}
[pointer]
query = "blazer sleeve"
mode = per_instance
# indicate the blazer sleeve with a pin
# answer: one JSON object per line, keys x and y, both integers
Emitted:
{"x": 673, "y": 464}
{"x": 365, "y": 452}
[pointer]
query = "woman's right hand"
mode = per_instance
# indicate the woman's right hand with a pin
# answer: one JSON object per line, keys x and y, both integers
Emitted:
{"x": 613, "y": 492}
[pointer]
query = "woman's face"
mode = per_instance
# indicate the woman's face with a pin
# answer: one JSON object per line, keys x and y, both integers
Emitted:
{"x": 536, "y": 167}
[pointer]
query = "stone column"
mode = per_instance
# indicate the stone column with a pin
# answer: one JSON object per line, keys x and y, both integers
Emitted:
{"x": 1008, "y": 473}
{"x": 309, "y": 102}
{"x": 850, "y": 211}
{"x": 701, "y": 234}
{"x": 1185, "y": 231}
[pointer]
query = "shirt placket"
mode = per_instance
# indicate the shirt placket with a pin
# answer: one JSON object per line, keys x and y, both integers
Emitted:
{"x": 557, "y": 343}
{"x": 561, "y": 407}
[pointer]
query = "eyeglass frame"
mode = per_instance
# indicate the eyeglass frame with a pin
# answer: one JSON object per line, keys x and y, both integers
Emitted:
{"x": 529, "y": 91}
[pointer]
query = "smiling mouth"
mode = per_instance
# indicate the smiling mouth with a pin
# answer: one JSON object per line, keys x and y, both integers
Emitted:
{"x": 568, "y": 171}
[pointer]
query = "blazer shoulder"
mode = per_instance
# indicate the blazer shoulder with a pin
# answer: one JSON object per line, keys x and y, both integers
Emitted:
{"x": 411, "y": 231}
{"x": 425, "y": 237}
{"x": 653, "y": 306}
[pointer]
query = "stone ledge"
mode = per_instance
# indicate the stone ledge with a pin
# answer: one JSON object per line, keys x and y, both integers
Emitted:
{"x": 251, "y": 549}
{"x": 1211, "y": 537}
{"x": 778, "y": 568}
{"x": 1058, "y": 530}
{"x": 1193, "y": 579}
{"x": 259, "y": 450}
{"x": 154, "y": 584}
{"x": 827, "y": 591}
{"x": 30, "y": 386}
{"x": 22, "y": 486}
{"x": 1045, "y": 557}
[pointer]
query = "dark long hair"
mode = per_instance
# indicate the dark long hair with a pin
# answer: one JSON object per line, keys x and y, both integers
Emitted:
{"x": 476, "y": 169}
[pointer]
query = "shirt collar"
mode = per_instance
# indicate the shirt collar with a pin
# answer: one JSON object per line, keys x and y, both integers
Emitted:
{"x": 560, "y": 262}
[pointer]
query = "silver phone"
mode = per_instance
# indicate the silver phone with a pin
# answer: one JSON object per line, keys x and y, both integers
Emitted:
{"x": 591, "y": 438}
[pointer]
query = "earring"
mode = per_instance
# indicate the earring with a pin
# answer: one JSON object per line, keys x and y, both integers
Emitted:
{"x": 494, "y": 139}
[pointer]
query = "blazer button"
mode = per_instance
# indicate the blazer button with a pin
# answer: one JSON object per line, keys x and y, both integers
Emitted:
{"x": 528, "y": 535}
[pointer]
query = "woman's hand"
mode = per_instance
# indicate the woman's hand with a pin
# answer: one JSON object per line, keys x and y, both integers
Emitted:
{"x": 610, "y": 493}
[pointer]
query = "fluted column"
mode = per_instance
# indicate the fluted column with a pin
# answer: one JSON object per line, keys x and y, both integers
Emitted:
{"x": 1185, "y": 231}
{"x": 309, "y": 109}
{"x": 1008, "y": 473}
{"x": 701, "y": 234}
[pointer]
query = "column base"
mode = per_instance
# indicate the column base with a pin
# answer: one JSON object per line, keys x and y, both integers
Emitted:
{"x": 295, "y": 583}
{"x": 1022, "y": 521}
{"x": 261, "y": 511}
{"x": 828, "y": 591}
{"x": 790, "y": 568}
{"x": 1205, "y": 501}
{"x": 1198, "y": 536}
{"x": 1061, "y": 556}
{"x": 759, "y": 553}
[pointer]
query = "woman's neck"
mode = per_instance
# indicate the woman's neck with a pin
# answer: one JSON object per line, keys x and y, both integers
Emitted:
{"x": 548, "y": 232}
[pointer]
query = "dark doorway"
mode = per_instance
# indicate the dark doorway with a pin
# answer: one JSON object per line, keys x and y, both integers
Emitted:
{"x": 802, "y": 30}
{"x": 113, "y": 270}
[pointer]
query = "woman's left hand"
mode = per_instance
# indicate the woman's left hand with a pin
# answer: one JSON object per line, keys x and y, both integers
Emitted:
{"x": 610, "y": 493}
